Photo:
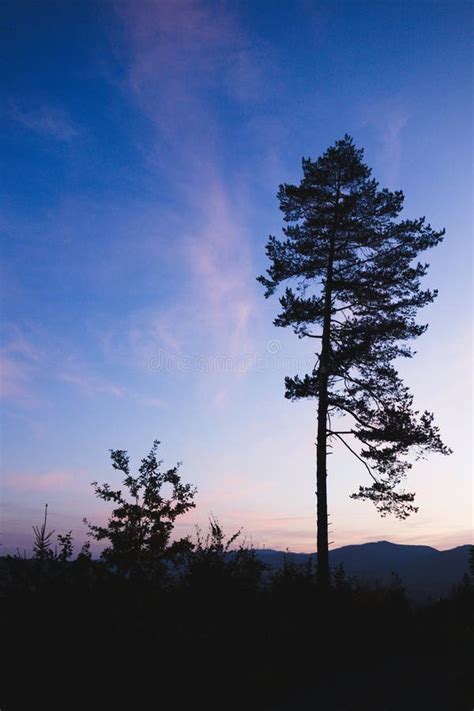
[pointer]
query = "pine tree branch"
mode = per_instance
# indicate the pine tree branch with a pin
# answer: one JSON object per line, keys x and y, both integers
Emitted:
{"x": 344, "y": 308}
{"x": 356, "y": 417}
{"x": 375, "y": 398}
{"x": 356, "y": 455}
{"x": 310, "y": 335}
{"x": 371, "y": 258}
{"x": 369, "y": 445}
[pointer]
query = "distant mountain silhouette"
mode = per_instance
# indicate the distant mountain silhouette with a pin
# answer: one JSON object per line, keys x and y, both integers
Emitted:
{"x": 424, "y": 571}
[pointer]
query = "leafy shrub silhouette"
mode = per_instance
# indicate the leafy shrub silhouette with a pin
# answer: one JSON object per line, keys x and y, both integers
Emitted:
{"x": 140, "y": 527}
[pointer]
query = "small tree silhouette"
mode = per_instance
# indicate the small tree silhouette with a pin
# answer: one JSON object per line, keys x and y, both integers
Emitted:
{"x": 42, "y": 544}
{"x": 139, "y": 529}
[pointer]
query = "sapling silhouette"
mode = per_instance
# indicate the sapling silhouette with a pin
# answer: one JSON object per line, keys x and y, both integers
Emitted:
{"x": 42, "y": 545}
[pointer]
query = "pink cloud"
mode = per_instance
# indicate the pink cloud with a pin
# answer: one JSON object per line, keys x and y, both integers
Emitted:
{"x": 174, "y": 53}
{"x": 48, "y": 481}
{"x": 174, "y": 50}
{"x": 219, "y": 257}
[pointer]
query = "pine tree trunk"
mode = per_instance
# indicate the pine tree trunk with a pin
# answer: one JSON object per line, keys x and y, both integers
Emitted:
{"x": 323, "y": 571}
{"x": 321, "y": 491}
{"x": 321, "y": 458}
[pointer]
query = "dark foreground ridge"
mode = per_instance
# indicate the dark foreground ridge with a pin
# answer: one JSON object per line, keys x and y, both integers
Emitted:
{"x": 224, "y": 632}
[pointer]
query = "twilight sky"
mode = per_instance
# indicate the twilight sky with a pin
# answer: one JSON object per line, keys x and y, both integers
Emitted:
{"x": 142, "y": 146}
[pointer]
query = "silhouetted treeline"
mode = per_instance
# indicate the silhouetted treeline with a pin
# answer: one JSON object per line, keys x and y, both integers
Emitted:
{"x": 214, "y": 627}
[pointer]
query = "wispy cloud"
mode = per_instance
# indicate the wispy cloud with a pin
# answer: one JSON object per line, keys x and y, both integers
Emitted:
{"x": 93, "y": 385}
{"x": 213, "y": 316}
{"x": 389, "y": 118}
{"x": 51, "y": 121}
{"x": 19, "y": 360}
{"x": 13, "y": 378}
{"x": 49, "y": 481}
{"x": 219, "y": 259}
{"x": 28, "y": 361}
{"x": 174, "y": 54}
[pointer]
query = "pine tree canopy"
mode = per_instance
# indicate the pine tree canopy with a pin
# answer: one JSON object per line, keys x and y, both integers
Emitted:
{"x": 355, "y": 287}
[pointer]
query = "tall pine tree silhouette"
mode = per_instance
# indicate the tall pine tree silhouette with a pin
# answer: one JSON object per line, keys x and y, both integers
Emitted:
{"x": 356, "y": 290}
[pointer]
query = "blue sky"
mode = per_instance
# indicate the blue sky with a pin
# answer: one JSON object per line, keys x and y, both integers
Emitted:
{"x": 142, "y": 147}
